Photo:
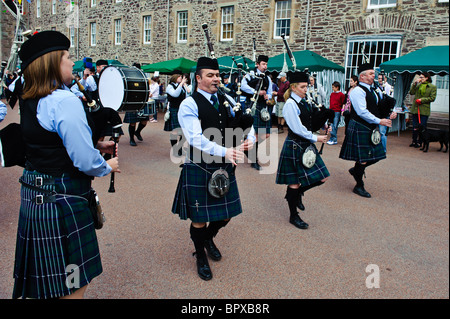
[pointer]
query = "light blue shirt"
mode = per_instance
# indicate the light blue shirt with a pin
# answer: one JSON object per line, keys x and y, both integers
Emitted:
{"x": 291, "y": 114}
{"x": 358, "y": 99}
{"x": 62, "y": 112}
{"x": 88, "y": 83}
{"x": 249, "y": 90}
{"x": 192, "y": 129}
{"x": 3, "y": 111}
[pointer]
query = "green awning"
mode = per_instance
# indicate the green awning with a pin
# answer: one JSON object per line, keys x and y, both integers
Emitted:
{"x": 432, "y": 59}
{"x": 304, "y": 59}
{"x": 180, "y": 65}
{"x": 79, "y": 65}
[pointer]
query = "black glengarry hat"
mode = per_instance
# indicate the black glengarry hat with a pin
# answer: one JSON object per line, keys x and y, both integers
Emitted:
{"x": 364, "y": 67}
{"x": 207, "y": 63}
{"x": 298, "y": 77}
{"x": 262, "y": 58}
{"x": 101, "y": 62}
{"x": 40, "y": 44}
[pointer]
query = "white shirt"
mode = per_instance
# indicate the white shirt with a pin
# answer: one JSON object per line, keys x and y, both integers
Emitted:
{"x": 291, "y": 113}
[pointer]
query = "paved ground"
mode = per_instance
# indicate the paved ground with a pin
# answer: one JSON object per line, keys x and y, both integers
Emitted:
{"x": 147, "y": 253}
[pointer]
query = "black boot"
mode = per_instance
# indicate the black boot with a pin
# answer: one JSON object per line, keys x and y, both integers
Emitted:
{"x": 131, "y": 131}
{"x": 198, "y": 236}
{"x": 212, "y": 230}
{"x": 138, "y": 132}
{"x": 357, "y": 172}
{"x": 292, "y": 199}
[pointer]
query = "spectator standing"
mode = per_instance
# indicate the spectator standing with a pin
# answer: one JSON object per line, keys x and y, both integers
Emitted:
{"x": 337, "y": 100}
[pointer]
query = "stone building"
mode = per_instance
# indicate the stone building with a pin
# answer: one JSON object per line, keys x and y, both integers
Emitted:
{"x": 148, "y": 31}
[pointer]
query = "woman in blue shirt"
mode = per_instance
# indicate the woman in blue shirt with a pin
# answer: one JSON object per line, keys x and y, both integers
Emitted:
{"x": 57, "y": 252}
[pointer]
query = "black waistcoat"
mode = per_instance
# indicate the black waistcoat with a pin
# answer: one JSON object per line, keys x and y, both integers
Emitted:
{"x": 45, "y": 151}
{"x": 372, "y": 107}
{"x": 212, "y": 119}
{"x": 253, "y": 83}
{"x": 306, "y": 119}
{"x": 176, "y": 101}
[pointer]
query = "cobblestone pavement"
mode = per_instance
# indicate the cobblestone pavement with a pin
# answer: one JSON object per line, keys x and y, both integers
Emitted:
{"x": 403, "y": 230}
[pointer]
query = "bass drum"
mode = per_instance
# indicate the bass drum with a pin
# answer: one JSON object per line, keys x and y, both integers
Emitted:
{"x": 123, "y": 88}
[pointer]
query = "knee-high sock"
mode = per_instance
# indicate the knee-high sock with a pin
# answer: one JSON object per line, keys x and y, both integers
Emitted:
{"x": 303, "y": 189}
{"x": 131, "y": 130}
{"x": 140, "y": 127}
{"x": 292, "y": 198}
{"x": 198, "y": 236}
{"x": 214, "y": 227}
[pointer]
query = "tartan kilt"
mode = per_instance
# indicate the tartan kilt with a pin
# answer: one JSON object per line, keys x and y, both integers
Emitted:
{"x": 192, "y": 199}
{"x": 172, "y": 123}
{"x": 133, "y": 117}
{"x": 52, "y": 236}
{"x": 259, "y": 124}
{"x": 357, "y": 145}
{"x": 290, "y": 168}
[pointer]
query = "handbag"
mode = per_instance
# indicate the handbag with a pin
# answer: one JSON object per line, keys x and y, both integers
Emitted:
{"x": 96, "y": 209}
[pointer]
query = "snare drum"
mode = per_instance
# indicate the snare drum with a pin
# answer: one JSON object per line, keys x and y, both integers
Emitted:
{"x": 149, "y": 109}
{"x": 123, "y": 88}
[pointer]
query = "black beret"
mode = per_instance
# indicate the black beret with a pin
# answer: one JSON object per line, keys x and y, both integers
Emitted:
{"x": 263, "y": 58}
{"x": 101, "y": 62}
{"x": 298, "y": 77}
{"x": 364, "y": 67}
{"x": 40, "y": 44}
{"x": 207, "y": 63}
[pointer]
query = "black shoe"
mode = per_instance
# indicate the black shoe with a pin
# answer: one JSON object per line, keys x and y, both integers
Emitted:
{"x": 212, "y": 250}
{"x": 203, "y": 269}
{"x": 414, "y": 144}
{"x": 133, "y": 143}
{"x": 138, "y": 136}
{"x": 418, "y": 145}
{"x": 256, "y": 166}
{"x": 298, "y": 222}
{"x": 361, "y": 191}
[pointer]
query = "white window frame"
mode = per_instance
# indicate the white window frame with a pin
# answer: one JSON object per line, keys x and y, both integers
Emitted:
{"x": 72, "y": 36}
{"x": 355, "y": 45}
{"x": 443, "y": 1}
{"x": 283, "y": 11}
{"x": 38, "y": 8}
{"x": 147, "y": 29}
{"x": 227, "y": 21}
{"x": 93, "y": 3}
{"x": 377, "y": 5}
{"x": 93, "y": 33}
{"x": 53, "y": 6}
{"x": 182, "y": 29}
{"x": 117, "y": 31}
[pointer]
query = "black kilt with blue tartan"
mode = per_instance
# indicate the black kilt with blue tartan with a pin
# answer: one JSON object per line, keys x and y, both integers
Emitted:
{"x": 172, "y": 123}
{"x": 357, "y": 145}
{"x": 133, "y": 117}
{"x": 192, "y": 199}
{"x": 290, "y": 168}
{"x": 52, "y": 236}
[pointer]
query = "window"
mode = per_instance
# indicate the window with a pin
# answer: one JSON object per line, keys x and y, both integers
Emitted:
{"x": 381, "y": 4}
{"x": 72, "y": 36}
{"x": 227, "y": 26}
{"x": 38, "y": 8}
{"x": 118, "y": 31}
{"x": 282, "y": 19}
{"x": 93, "y": 27}
{"x": 182, "y": 26}
{"x": 93, "y": 3}
{"x": 53, "y": 6}
{"x": 377, "y": 49}
{"x": 442, "y": 82}
{"x": 147, "y": 25}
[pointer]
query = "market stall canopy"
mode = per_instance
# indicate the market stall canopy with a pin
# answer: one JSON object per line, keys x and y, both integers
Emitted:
{"x": 79, "y": 65}
{"x": 432, "y": 59}
{"x": 304, "y": 59}
{"x": 180, "y": 65}
{"x": 226, "y": 63}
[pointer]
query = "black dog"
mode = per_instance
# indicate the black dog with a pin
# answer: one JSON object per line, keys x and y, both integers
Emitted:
{"x": 427, "y": 136}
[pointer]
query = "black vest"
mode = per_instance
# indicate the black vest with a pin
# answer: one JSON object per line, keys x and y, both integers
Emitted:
{"x": 210, "y": 118}
{"x": 372, "y": 107}
{"x": 45, "y": 151}
{"x": 306, "y": 119}
{"x": 253, "y": 83}
{"x": 176, "y": 101}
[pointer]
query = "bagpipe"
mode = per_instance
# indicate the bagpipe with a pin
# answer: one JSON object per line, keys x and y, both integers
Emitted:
{"x": 242, "y": 119}
{"x": 321, "y": 116}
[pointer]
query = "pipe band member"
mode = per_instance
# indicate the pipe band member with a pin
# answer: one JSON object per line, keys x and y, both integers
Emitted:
{"x": 205, "y": 119}
{"x": 359, "y": 144}
{"x": 249, "y": 87}
{"x": 291, "y": 170}
{"x": 56, "y": 230}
